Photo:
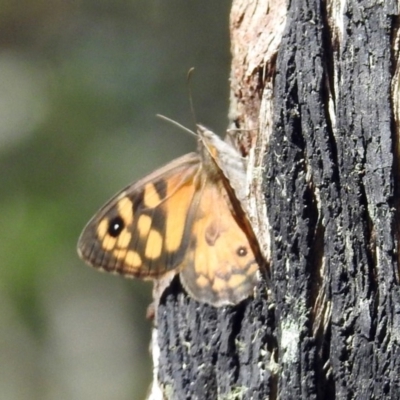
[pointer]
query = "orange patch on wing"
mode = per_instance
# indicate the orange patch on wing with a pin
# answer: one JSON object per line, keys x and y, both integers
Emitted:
{"x": 236, "y": 280}
{"x": 151, "y": 197}
{"x": 108, "y": 243}
{"x": 132, "y": 260}
{"x": 207, "y": 258}
{"x": 204, "y": 260}
{"x": 154, "y": 245}
{"x": 219, "y": 285}
{"x": 144, "y": 225}
{"x": 202, "y": 282}
{"x": 125, "y": 210}
{"x": 120, "y": 254}
{"x": 124, "y": 239}
{"x": 177, "y": 209}
{"x": 102, "y": 228}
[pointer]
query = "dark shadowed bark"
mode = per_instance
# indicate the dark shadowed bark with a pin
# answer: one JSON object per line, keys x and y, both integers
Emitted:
{"x": 320, "y": 83}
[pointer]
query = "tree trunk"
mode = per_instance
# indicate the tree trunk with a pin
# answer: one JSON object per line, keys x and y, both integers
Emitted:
{"x": 320, "y": 83}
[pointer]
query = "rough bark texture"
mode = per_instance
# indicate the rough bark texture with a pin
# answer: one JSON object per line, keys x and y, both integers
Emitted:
{"x": 315, "y": 78}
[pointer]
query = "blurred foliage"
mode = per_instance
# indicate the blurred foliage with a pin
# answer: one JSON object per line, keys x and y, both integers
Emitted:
{"x": 80, "y": 84}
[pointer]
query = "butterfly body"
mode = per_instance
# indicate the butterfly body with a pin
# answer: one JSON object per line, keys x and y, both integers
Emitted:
{"x": 185, "y": 217}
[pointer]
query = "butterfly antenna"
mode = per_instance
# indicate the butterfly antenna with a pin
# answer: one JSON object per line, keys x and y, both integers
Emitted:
{"x": 189, "y": 81}
{"x": 171, "y": 121}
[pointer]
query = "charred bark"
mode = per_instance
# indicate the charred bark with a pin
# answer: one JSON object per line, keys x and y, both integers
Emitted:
{"x": 319, "y": 81}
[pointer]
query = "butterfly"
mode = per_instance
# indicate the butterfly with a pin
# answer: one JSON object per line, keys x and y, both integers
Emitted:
{"x": 187, "y": 218}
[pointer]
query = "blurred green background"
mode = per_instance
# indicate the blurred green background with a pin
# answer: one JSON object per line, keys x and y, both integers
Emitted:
{"x": 80, "y": 84}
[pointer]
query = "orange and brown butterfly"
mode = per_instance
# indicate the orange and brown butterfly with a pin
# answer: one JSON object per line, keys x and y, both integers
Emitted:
{"x": 185, "y": 217}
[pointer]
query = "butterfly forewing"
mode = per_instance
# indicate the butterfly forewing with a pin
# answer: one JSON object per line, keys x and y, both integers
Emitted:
{"x": 141, "y": 231}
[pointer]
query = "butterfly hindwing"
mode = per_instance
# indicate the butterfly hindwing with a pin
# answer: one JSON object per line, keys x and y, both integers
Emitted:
{"x": 220, "y": 267}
